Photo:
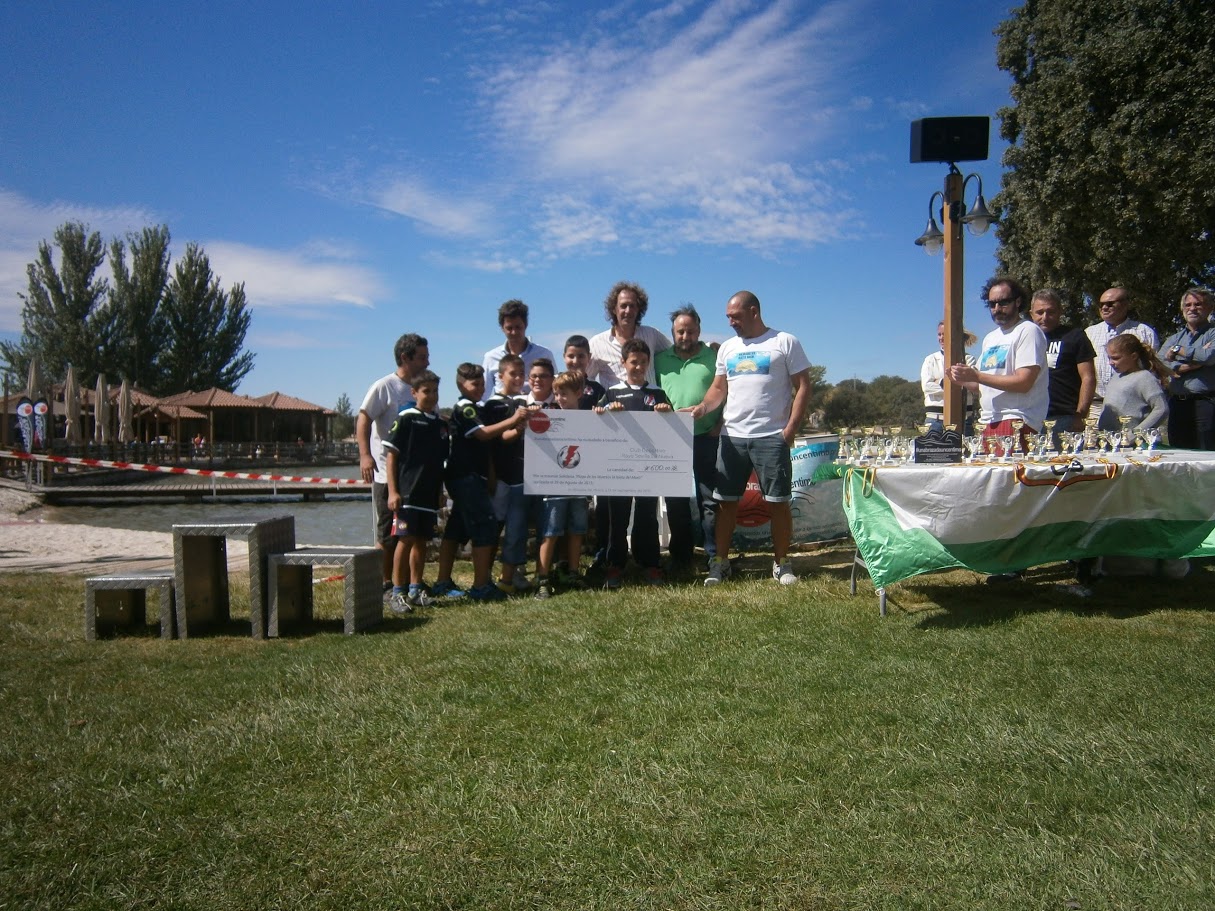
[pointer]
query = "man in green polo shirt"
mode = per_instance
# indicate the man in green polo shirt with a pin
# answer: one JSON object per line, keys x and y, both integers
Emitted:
{"x": 685, "y": 372}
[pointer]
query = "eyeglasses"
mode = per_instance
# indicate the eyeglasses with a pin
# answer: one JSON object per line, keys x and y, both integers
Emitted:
{"x": 1106, "y": 304}
{"x": 1007, "y": 302}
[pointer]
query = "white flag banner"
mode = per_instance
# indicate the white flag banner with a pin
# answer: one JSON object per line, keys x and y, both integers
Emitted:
{"x": 911, "y": 519}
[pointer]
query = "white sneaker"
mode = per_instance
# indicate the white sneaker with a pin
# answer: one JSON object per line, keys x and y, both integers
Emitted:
{"x": 719, "y": 571}
{"x": 783, "y": 573}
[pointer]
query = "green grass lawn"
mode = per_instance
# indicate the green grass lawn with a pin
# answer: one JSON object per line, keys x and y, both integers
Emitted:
{"x": 750, "y": 746}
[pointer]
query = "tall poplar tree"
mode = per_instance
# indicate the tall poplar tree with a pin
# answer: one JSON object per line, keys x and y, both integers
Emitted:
{"x": 139, "y": 328}
{"x": 64, "y": 315}
{"x": 1108, "y": 177}
{"x": 206, "y": 328}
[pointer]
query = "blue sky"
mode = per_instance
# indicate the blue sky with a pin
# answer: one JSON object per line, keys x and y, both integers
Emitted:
{"x": 397, "y": 167}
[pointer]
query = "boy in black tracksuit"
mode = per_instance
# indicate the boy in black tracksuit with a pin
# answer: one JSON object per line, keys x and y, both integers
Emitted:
{"x": 633, "y": 395}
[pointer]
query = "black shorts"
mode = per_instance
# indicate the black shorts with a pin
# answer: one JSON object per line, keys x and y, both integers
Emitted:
{"x": 415, "y": 523}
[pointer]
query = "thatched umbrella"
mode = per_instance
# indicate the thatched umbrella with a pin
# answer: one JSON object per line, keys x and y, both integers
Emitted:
{"x": 71, "y": 408}
{"x": 126, "y": 432}
{"x": 101, "y": 412}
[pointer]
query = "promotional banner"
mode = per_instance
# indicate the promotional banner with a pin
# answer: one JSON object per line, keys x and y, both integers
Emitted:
{"x": 619, "y": 453}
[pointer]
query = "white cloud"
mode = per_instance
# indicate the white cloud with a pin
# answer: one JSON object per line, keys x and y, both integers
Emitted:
{"x": 683, "y": 127}
{"x": 289, "y": 279}
{"x": 432, "y": 210}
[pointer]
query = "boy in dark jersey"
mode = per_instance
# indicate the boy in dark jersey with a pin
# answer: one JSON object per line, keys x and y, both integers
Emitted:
{"x": 633, "y": 395}
{"x": 467, "y": 479}
{"x": 414, "y": 453}
{"x": 577, "y": 354}
{"x": 506, "y": 454}
{"x": 578, "y": 357}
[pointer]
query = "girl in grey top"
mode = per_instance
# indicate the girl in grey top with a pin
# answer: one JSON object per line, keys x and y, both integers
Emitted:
{"x": 1136, "y": 387}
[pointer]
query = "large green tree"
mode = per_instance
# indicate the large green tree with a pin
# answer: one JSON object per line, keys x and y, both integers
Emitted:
{"x": 206, "y": 327}
{"x": 885, "y": 400}
{"x": 164, "y": 333}
{"x": 64, "y": 315}
{"x": 138, "y": 319}
{"x": 1108, "y": 177}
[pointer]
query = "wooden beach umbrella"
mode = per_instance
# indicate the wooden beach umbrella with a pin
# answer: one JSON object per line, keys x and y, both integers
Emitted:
{"x": 126, "y": 432}
{"x": 71, "y": 408}
{"x": 101, "y": 412}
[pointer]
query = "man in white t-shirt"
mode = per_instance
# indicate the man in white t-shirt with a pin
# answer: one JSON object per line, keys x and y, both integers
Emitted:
{"x": 625, "y": 305}
{"x": 763, "y": 379}
{"x": 383, "y": 401}
{"x": 1011, "y": 377}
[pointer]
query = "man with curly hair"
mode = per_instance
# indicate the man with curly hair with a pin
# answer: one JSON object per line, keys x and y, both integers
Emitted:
{"x": 624, "y": 307}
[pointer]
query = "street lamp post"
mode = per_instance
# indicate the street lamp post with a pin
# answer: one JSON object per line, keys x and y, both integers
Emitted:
{"x": 949, "y": 140}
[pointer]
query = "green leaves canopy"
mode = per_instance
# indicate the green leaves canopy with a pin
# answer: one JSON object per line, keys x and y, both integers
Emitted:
{"x": 165, "y": 333}
{"x": 1109, "y": 176}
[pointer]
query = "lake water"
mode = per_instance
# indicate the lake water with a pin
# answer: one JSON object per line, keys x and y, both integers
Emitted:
{"x": 341, "y": 519}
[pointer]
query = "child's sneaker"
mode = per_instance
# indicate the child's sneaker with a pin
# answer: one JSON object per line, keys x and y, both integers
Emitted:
{"x": 544, "y": 589}
{"x": 520, "y": 581}
{"x": 445, "y": 588}
{"x": 653, "y": 576}
{"x": 398, "y": 604}
{"x": 417, "y": 597}
{"x": 487, "y": 592}
{"x": 614, "y": 578}
{"x": 572, "y": 581}
{"x": 783, "y": 573}
{"x": 719, "y": 571}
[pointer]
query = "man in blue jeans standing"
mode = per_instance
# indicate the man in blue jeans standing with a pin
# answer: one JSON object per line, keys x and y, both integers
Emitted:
{"x": 685, "y": 372}
{"x": 763, "y": 379}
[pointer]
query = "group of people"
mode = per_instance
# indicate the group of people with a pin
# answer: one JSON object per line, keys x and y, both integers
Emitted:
{"x": 1032, "y": 368}
{"x": 746, "y": 397}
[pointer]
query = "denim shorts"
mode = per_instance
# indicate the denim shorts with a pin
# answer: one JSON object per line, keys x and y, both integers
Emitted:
{"x": 769, "y": 457}
{"x": 564, "y": 516}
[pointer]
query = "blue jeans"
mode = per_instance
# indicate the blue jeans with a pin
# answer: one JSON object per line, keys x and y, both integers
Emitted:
{"x": 510, "y": 506}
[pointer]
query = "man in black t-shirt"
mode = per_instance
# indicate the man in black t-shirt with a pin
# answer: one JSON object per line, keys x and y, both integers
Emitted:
{"x": 1069, "y": 357}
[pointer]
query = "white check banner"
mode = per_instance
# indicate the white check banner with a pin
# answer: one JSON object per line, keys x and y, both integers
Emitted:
{"x": 619, "y": 453}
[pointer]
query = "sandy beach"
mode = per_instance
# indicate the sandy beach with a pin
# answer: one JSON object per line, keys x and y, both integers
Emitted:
{"x": 28, "y": 544}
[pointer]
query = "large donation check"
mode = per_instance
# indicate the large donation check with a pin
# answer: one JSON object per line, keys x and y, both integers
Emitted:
{"x": 619, "y": 453}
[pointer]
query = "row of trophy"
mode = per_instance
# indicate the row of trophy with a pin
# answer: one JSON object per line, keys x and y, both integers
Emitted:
{"x": 888, "y": 446}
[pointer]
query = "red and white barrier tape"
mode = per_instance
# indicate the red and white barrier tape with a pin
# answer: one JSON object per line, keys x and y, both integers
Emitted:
{"x": 173, "y": 469}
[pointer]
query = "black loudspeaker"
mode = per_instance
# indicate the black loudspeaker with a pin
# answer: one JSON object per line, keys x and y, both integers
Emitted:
{"x": 950, "y": 139}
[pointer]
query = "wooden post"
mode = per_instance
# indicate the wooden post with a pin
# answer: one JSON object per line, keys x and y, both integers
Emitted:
{"x": 955, "y": 343}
